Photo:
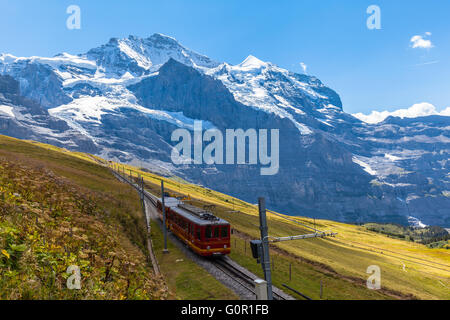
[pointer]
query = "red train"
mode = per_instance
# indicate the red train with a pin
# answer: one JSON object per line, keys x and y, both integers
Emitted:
{"x": 206, "y": 234}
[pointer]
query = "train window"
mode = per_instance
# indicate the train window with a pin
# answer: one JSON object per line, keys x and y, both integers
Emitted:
{"x": 224, "y": 230}
{"x": 208, "y": 233}
{"x": 199, "y": 234}
{"x": 216, "y": 232}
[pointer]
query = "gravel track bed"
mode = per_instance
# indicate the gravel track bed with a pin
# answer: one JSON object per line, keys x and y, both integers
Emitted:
{"x": 238, "y": 286}
{"x": 207, "y": 264}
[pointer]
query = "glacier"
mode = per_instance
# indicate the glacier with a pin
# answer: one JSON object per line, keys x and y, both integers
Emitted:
{"x": 123, "y": 99}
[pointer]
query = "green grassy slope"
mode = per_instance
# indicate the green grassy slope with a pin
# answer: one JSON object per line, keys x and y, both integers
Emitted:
{"x": 61, "y": 208}
{"x": 408, "y": 269}
{"x": 58, "y": 210}
{"x": 184, "y": 277}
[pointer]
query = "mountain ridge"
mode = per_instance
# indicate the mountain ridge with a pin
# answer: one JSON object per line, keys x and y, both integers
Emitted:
{"x": 114, "y": 98}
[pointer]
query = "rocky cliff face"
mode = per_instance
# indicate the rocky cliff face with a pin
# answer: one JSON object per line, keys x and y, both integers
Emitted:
{"x": 24, "y": 118}
{"x": 123, "y": 100}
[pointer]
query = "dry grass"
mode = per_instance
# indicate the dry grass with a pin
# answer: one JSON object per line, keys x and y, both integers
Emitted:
{"x": 409, "y": 270}
{"x": 57, "y": 210}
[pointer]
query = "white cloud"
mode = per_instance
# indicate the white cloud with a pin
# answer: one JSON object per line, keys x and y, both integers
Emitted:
{"x": 420, "y": 41}
{"x": 426, "y": 63}
{"x": 417, "y": 110}
{"x": 304, "y": 67}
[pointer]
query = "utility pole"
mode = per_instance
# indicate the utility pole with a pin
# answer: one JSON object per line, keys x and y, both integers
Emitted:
{"x": 164, "y": 218}
{"x": 141, "y": 183}
{"x": 265, "y": 261}
{"x": 260, "y": 248}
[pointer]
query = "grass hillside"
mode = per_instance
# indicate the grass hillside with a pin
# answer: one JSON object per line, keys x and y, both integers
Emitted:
{"x": 59, "y": 209}
{"x": 408, "y": 270}
{"x": 432, "y": 236}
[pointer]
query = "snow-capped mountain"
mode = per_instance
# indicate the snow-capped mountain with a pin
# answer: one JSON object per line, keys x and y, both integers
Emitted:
{"x": 123, "y": 100}
{"x": 143, "y": 56}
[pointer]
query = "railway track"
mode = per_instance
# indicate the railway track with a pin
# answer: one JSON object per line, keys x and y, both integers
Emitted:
{"x": 151, "y": 252}
{"x": 244, "y": 279}
{"x": 241, "y": 277}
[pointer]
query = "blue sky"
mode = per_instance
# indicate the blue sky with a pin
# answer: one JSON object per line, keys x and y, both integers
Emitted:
{"x": 370, "y": 69}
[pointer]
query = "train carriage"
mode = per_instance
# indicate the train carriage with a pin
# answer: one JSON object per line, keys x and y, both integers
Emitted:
{"x": 204, "y": 233}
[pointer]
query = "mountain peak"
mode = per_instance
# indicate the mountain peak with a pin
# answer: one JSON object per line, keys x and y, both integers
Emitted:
{"x": 144, "y": 55}
{"x": 160, "y": 36}
{"x": 113, "y": 41}
{"x": 251, "y": 62}
{"x": 157, "y": 39}
{"x": 133, "y": 37}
